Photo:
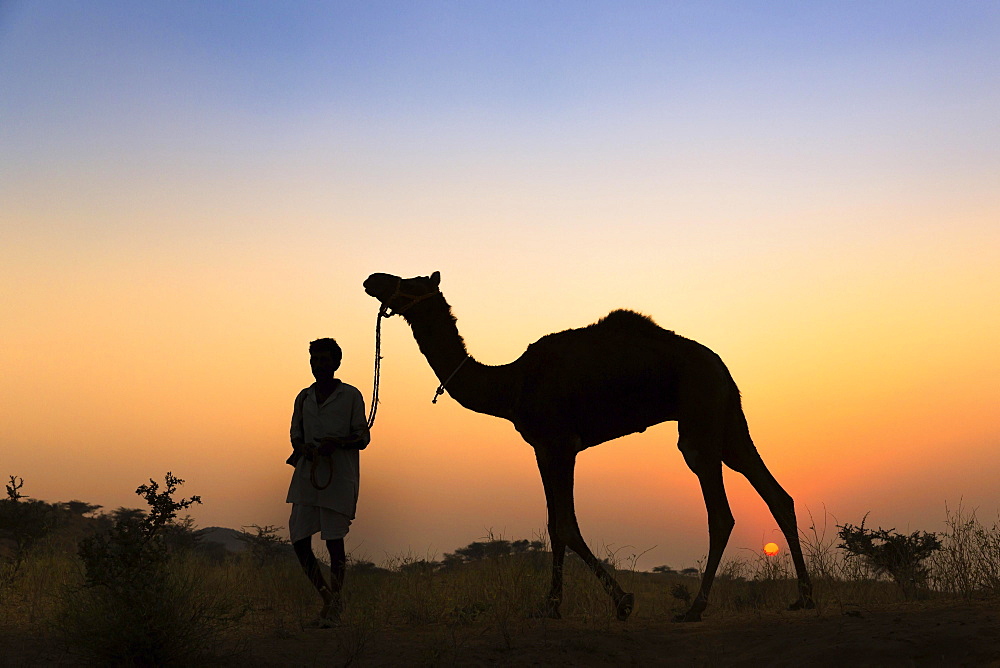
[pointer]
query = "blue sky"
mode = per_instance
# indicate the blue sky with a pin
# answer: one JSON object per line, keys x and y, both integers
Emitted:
{"x": 191, "y": 189}
{"x": 501, "y": 64}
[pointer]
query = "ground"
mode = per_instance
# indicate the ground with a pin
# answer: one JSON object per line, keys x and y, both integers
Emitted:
{"x": 912, "y": 634}
{"x": 952, "y": 634}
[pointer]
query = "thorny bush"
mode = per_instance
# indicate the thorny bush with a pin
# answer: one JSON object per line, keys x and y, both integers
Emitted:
{"x": 886, "y": 551}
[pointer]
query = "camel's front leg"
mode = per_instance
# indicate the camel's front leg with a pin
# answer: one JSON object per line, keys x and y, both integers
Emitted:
{"x": 550, "y": 608}
{"x": 556, "y": 467}
{"x": 720, "y": 526}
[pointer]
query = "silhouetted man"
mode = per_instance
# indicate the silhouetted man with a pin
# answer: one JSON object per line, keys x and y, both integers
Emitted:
{"x": 329, "y": 429}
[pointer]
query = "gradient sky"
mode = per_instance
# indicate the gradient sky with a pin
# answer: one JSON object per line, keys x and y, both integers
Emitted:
{"x": 191, "y": 191}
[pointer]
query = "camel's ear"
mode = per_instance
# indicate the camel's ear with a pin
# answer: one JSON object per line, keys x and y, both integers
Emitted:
{"x": 436, "y": 278}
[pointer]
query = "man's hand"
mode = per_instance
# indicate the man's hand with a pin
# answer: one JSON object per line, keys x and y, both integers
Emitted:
{"x": 298, "y": 450}
{"x": 328, "y": 444}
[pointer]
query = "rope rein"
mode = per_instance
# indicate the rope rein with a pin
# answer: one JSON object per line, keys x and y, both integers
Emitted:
{"x": 313, "y": 465}
{"x": 382, "y": 313}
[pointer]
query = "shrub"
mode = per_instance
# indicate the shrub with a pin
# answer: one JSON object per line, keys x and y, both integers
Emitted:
{"x": 140, "y": 605}
{"x": 23, "y": 523}
{"x": 969, "y": 561}
{"x": 133, "y": 551}
{"x": 265, "y": 546}
{"x": 887, "y": 551}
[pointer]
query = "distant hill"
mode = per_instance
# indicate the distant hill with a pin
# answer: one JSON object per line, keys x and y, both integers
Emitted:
{"x": 228, "y": 538}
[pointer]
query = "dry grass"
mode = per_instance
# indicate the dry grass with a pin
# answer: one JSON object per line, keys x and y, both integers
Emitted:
{"x": 239, "y": 600}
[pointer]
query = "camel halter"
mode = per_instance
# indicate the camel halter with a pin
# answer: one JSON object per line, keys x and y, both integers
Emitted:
{"x": 387, "y": 311}
{"x": 414, "y": 299}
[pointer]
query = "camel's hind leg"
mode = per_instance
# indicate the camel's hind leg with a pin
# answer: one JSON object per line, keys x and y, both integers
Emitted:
{"x": 745, "y": 459}
{"x": 556, "y": 467}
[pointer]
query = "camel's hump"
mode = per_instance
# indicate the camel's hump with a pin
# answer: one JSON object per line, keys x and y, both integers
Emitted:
{"x": 618, "y": 322}
{"x": 627, "y": 319}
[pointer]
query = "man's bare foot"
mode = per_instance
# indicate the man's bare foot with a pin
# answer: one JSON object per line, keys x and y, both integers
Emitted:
{"x": 332, "y": 606}
{"x": 322, "y": 623}
{"x": 329, "y": 614}
{"x": 328, "y": 617}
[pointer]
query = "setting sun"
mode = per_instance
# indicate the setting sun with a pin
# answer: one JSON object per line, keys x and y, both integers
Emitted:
{"x": 771, "y": 549}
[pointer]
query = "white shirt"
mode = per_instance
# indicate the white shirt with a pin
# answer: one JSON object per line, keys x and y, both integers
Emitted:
{"x": 342, "y": 415}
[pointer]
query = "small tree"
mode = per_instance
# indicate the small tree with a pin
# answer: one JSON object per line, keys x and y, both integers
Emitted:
{"x": 419, "y": 567}
{"x": 886, "y": 551}
{"x": 491, "y": 548}
{"x": 265, "y": 545}
{"x": 80, "y": 508}
{"x": 135, "y": 547}
{"x": 24, "y": 522}
{"x": 135, "y": 608}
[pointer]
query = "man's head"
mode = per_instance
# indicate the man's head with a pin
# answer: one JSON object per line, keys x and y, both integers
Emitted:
{"x": 324, "y": 358}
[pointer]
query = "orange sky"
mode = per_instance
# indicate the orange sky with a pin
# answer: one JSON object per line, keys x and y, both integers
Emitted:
{"x": 169, "y": 248}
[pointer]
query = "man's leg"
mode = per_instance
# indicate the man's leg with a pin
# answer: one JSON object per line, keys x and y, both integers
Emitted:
{"x": 338, "y": 567}
{"x": 309, "y": 563}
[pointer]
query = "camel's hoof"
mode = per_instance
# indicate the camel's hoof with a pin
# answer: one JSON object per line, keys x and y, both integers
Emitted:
{"x": 802, "y": 604}
{"x": 324, "y": 622}
{"x": 689, "y": 616}
{"x": 624, "y": 607}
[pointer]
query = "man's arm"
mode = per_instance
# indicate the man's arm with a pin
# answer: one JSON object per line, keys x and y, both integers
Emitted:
{"x": 297, "y": 431}
{"x": 330, "y": 443}
{"x": 360, "y": 436}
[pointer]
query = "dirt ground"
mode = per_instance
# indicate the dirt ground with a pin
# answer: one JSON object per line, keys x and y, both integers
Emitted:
{"x": 913, "y": 634}
{"x": 952, "y": 634}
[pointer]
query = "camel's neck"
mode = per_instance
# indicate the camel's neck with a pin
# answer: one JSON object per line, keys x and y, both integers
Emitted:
{"x": 476, "y": 386}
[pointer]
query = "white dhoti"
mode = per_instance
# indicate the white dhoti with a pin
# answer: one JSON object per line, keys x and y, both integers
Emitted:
{"x": 308, "y": 520}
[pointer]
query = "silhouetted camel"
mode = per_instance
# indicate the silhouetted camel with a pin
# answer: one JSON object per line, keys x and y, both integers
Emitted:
{"x": 575, "y": 389}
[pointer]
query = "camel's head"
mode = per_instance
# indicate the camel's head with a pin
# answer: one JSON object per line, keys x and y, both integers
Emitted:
{"x": 399, "y": 294}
